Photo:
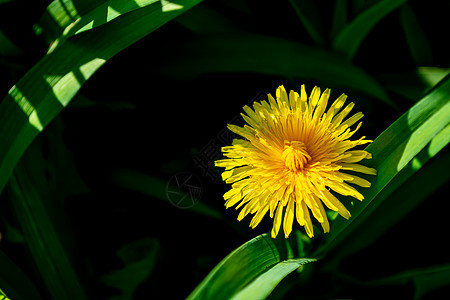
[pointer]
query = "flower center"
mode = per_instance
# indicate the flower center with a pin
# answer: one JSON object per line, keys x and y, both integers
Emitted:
{"x": 295, "y": 155}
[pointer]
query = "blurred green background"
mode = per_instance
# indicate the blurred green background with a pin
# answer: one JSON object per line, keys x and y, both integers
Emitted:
{"x": 92, "y": 209}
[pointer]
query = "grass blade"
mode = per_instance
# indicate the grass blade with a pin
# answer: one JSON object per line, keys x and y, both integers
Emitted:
{"x": 260, "y": 261}
{"x": 418, "y": 43}
{"x": 351, "y": 36}
{"x": 264, "y": 284}
{"x": 236, "y": 53}
{"x": 308, "y": 14}
{"x": 42, "y": 240}
{"x": 52, "y": 83}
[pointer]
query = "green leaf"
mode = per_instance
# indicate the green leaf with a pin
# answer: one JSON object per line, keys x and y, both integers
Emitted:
{"x": 139, "y": 258}
{"x": 251, "y": 271}
{"x": 393, "y": 150}
{"x": 308, "y": 14}
{"x": 418, "y": 43}
{"x": 264, "y": 284}
{"x": 275, "y": 56}
{"x": 339, "y": 17}
{"x": 351, "y": 36}
{"x": 50, "y": 85}
{"x": 28, "y": 198}
{"x": 425, "y": 280}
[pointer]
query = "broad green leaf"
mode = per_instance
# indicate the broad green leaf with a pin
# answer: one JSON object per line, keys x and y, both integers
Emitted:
{"x": 251, "y": 271}
{"x": 308, "y": 14}
{"x": 425, "y": 280}
{"x": 50, "y": 85}
{"x": 139, "y": 258}
{"x": 155, "y": 187}
{"x": 275, "y": 56}
{"x": 264, "y": 284}
{"x": 30, "y": 199}
{"x": 393, "y": 150}
{"x": 15, "y": 282}
{"x": 418, "y": 43}
{"x": 351, "y": 36}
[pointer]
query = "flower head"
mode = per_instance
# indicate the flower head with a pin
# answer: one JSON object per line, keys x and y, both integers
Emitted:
{"x": 293, "y": 153}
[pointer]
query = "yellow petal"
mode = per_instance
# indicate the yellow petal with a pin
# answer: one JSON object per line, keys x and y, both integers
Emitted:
{"x": 358, "y": 168}
{"x": 308, "y": 223}
{"x": 277, "y": 220}
{"x": 334, "y": 204}
{"x": 288, "y": 218}
{"x": 259, "y": 215}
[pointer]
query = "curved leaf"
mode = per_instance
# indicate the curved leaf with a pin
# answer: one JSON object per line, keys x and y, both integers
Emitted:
{"x": 251, "y": 271}
{"x": 351, "y": 36}
{"x": 256, "y": 53}
{"x": 52, "y": 83}
{"x": 419, "y": 46}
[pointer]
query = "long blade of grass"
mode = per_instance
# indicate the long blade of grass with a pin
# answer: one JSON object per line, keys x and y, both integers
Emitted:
{"x": 308, "y": 14}
{"x": 251, "y": 271}
{"x": 351, "y": 36}
{"x": 264, "y": 284}
{"x": 71, "y": 22}
{"x": 393, "y": 150}
{"x": 418, "y": 43}
{"x": 52, "y": 83}
{"x": 42, "y": 240}
{"x": 236, "y": 53}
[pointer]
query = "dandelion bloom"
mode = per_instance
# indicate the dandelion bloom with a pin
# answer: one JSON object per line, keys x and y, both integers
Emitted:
{"x": 293, "y": 153}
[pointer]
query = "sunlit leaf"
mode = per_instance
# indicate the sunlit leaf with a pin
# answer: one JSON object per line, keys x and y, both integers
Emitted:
{"x": 251, "y": 271}
{"x": 52, "y": 83}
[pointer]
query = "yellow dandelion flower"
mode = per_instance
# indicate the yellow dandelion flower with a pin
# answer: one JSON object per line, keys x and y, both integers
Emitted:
{"x": 293, "y": 154}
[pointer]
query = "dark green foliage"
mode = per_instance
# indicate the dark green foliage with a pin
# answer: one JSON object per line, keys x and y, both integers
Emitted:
{"x": 113, "y": 112}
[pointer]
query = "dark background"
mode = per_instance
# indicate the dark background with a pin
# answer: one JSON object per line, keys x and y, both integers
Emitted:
{"x": 132, "y": 115}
